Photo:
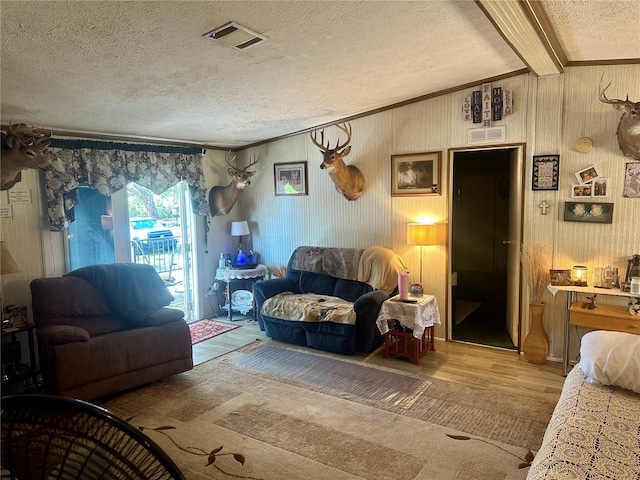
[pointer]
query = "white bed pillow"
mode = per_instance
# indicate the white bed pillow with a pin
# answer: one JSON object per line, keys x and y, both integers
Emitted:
{"x": 611, "y": 358}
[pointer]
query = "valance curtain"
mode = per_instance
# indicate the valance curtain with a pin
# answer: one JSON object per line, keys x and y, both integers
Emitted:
{"x": 107, "y": 167}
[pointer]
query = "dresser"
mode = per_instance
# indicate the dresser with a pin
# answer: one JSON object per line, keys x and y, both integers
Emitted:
{"x": 605, "y": 317}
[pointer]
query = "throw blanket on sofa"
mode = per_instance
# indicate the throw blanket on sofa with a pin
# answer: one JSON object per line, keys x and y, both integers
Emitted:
{"x": 133, "y": 290}
{"x": 377, "y": 266}
{"x": 309, "y": 307}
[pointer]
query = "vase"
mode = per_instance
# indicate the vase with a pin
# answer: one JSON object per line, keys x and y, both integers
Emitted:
{"x": 536, "y": 345}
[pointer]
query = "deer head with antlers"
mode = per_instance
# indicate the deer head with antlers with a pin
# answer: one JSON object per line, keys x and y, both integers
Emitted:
{"x": 22, "y": 147}
{"x": 222, "y": 199}
{"x": 348, "y": 178}
{"x": 629, "y": 127}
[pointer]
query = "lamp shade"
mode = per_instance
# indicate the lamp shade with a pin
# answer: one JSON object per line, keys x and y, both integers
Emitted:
{"x": 422, "y": 234}
{"x": 239, "y": 228}
{"x": 8, "y": 263}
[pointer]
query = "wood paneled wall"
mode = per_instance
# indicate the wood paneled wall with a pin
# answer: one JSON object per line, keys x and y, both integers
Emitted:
{"x": 550, "y": 114}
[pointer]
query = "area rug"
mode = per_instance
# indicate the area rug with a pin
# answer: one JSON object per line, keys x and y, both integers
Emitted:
{"x": 227, "y": 418}
{"x": 205, "y": 329}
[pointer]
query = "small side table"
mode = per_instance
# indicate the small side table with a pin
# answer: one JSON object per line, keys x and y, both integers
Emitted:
{"x": 29, "y": 328}
{"x": 229, "y": 275}
{"x": 418, "y": 318}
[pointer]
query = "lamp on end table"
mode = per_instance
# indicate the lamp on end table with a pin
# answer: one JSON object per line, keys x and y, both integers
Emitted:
{"x": 238, "y": 229}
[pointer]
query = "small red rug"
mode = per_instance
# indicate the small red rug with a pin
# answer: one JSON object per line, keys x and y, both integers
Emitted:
{"x": 205, "y": 329}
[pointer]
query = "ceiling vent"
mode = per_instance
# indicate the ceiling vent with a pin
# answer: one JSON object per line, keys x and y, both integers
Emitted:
{"x": 236, "y": 36}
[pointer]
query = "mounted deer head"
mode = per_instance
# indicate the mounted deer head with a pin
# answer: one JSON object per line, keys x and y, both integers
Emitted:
{"x": 629, "y": 127}
{"x": 22, "y": 147}
{"x": 348, "y": 178}
{"x": 222, "y": 199}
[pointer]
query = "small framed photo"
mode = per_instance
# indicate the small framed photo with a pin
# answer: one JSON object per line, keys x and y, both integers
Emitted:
{"x": 632, "y": 180}
{"x": 588, "y": 212}
{"x": 599, "y": 187}
{"x": 581, "y": 190}
{"x": 290, "y": 178}
{"x": 587, "y": 175}
{"x": 415, "y": 174}
{"x": 546, "y": 169}
{"x": 560, "y": 277}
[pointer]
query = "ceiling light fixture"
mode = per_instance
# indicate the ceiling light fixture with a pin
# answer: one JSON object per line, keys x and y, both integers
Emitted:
{"x": 235, "y": 36}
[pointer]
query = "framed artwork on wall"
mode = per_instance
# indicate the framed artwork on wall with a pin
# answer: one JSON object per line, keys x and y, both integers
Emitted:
{"x": 599, "y": 187}
{"x": 588, "y": 212}
{"x": 632, "y": 180}
{"x": 578, "y": 190}
{"x": 546, "y": 169}
{"x": 416, "y": 174}
{"x": 587, "y": 175}
{"x": 290, "y": 179}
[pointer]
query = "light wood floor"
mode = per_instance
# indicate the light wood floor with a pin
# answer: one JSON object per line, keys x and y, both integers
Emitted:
{"x": 486, "y": 367}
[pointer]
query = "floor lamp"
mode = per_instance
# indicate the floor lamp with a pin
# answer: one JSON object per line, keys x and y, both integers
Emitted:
{"x": 422, "y": 234}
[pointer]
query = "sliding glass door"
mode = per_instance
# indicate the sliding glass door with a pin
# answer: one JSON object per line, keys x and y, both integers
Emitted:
{"x": 136, "y": 225}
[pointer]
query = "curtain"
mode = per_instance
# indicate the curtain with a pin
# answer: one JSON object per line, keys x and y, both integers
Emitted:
{"x": 107, "y": 167}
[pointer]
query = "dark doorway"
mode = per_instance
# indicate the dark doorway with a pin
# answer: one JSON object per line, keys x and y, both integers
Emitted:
{"x": 480, "y": 232}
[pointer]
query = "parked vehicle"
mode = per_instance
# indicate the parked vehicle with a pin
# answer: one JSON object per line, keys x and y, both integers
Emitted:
{"x": 150, "y": 235}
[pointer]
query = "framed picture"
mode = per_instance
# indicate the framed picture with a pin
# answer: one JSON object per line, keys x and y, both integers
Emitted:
{"x": 290, "y": 178}
{"x": 587, "y": 175}
{"x": 415, "y": 174}
{"x": 588, "y": 212}
{"x": 632, "y": 180}
{"x": 581, "y": 190}
{"x": 560, "y": 277}
{"x": 546, "y": 169}
{"x": 599, "y": 187}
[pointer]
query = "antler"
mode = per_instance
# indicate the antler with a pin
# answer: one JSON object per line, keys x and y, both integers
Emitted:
{"x": 320, "y": 145}
{"x": 615, "y": 101}
{"x": 228, "y": 158}
{"x": 20, "y": 135}
{"x": 251, "y": 163}
{"x": 346, "y": 128}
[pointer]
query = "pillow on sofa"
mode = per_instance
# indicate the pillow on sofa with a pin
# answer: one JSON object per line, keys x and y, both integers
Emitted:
{"x": 611, "y": 358}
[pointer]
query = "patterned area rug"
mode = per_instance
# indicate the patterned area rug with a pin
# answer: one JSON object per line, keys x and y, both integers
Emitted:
{"x": 205, "y": 329}
{"x": 230, "y": 418}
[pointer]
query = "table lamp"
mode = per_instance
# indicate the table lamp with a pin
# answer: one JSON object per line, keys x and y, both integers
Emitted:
{"x": 579, "y": 275}
{"x": 238, "y": 229}
{"x": 422, "y": 234}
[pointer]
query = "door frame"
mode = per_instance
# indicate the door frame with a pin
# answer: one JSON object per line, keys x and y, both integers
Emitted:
{"x": 514, "y": 293}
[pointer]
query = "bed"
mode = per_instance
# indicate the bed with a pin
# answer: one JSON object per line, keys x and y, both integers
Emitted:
{"x": 594, "y": 432}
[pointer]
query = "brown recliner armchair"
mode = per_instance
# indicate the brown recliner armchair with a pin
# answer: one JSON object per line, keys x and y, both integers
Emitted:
{"x": 104, "y": 329}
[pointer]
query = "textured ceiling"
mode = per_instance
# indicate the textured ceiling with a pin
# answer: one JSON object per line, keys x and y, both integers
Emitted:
{"x": 143, "y": 70}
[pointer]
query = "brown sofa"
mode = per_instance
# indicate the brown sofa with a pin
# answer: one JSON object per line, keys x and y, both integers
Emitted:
{"x": 104, "y": 329}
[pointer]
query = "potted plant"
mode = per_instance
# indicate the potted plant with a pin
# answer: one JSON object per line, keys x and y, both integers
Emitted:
{"x": 536, "y": 261}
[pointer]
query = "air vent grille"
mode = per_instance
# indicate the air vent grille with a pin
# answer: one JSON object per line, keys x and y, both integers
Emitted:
{"x": 490, "y": 134}
{"x": 235, "y": 36}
